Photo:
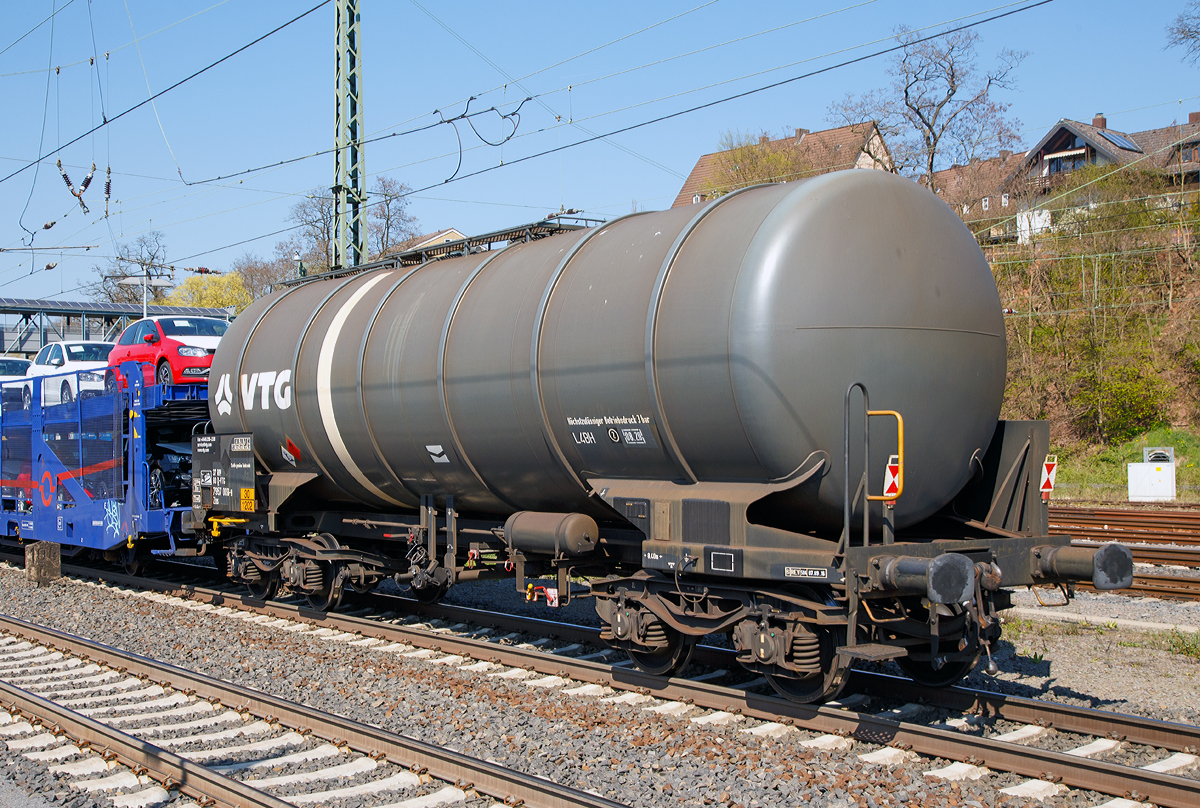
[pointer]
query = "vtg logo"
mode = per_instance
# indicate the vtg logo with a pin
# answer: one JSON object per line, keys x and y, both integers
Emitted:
{"x": 224, "y": 396}
{"x": 272, "y": 386}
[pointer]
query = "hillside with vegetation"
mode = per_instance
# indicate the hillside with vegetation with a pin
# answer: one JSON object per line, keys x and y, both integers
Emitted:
{"x": 1103, "y": 320}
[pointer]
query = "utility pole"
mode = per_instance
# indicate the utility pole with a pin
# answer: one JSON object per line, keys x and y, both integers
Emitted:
{"x": 349, "y": 168}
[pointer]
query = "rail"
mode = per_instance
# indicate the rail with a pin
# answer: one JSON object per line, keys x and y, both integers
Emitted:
{"x": 489, "y": 778}
{"x": 1162, "y": 789}
{"x": 197, "y": 780}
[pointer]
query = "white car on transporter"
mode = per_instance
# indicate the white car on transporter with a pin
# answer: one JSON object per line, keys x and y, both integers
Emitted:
{"x": 75, "y": 368}
{"x": 12, "y": 380}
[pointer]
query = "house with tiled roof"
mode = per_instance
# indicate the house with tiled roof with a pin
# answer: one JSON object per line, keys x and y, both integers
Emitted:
{"x": 1172, "y": 151}
{"x": 976, "y": 191}
{"x": 811, "y": 153}
{"x": 431, "y": 239}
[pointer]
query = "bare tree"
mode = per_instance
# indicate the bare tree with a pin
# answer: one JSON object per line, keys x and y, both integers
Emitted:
{"x": 1184, "y": 32}
{"x": 147, "y": 254}
{"x": 390, "y": 226}
{"x": 940, "y": 107}
{"x": 316, "y": 238}
{"x": 258, "y": 275}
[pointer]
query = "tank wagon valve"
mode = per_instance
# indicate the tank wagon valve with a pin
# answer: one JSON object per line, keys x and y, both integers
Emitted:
{"x": 1107, "y": 567}
{"x": 948, "y": 578}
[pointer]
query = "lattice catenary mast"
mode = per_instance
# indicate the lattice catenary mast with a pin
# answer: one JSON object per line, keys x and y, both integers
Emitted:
{"x": 349, "y": 167}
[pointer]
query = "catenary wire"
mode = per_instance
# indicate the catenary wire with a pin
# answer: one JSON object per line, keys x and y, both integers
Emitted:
{"x": 42, "y": 137}
{"x": 655, "y": 120}
{"x": 560, "y": 124}
{"x": 517, "y": 83}
{"x": 669, "y": 116}
{"x": 113, "y": 237}
{"x": 49, "y": 18}
{"x": 179, "y": 83}
{"x": 121, "y": 47}
{"x": 96, "y": 62}
{"x": 149, "y": 92}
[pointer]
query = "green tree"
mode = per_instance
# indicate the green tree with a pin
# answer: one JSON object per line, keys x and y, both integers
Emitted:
{"x": 1103, "y": 307}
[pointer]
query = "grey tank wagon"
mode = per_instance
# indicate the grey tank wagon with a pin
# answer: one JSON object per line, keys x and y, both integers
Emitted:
{"x": 674, "y": 404}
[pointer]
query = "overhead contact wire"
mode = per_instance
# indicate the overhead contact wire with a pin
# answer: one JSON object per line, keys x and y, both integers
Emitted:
{"x": 42, "y": 137}
{"x": 127, "y": 44}
{"x": 179, "y": 83}
{"x": 668, "y": 116}
{"x": 573, "y": 122}
{"x": 149, "y": 92}
{"x": 39, "y": 25}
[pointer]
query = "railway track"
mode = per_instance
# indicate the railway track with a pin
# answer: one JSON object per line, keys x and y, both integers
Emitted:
{"x": 1135, "y": 526}
{"x": 108, "y": 721}
{"x": 975, "y": 731}
{"x": 1159, "y": 538}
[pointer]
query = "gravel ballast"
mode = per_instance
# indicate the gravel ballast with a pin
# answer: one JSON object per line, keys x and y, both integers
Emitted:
{"x": 616, "y": 750}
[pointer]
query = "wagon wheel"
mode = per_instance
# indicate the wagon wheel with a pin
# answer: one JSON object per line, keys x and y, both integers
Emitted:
{"x": 820, "y": 685}
{"x": 919, "y": 667}
{"x": 130, "y": 562}
{"x": 428, "y": 595}
{"x": 832, "y": 669}
{"x": 265, "y": 587}
{"x": 328, "y": 596}
{"x": 666, "y": 661}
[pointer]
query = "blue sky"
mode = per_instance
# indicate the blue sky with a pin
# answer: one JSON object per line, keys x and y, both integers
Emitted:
{"x": 274, "y": 101}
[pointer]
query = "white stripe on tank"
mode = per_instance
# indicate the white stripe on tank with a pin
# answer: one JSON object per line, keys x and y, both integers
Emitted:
{"x": 325, "y": 392}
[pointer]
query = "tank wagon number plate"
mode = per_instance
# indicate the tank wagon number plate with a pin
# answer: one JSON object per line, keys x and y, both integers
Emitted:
{"x": 808, "y": 573}
{"x": 223, "y": 473}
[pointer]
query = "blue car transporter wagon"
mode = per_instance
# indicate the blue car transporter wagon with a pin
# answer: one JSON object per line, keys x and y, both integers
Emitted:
{"x": 104, "y": 474}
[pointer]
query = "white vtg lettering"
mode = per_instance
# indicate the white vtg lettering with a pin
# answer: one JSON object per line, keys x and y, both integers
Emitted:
{"x": 273, "y": 385}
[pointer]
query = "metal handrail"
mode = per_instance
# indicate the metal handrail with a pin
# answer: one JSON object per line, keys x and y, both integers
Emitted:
{"x": 862, "y": 489}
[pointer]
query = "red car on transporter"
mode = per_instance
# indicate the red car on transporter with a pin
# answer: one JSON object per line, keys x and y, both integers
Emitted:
{"x": 173, "y": 349}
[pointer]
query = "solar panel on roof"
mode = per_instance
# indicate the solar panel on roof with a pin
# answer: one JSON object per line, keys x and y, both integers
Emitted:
{"x": 12, "y": 305}
{"x": 1120, "y": 141}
